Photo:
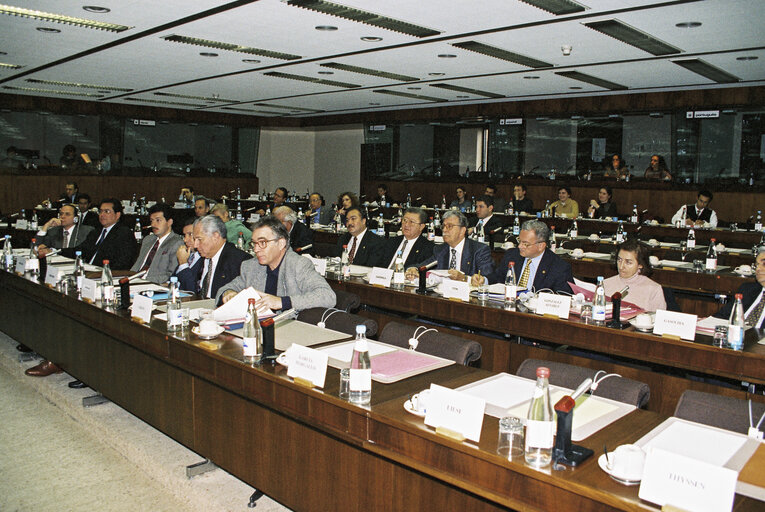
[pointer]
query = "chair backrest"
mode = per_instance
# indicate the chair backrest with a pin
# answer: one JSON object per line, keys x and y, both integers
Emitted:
{"x": 718, "y": 411}
{"x": 347, "y": 301}
{"x": 669, "y": 298}
{"x": 570, "y": 376}
{"x": 434, "y": 343}
{"x": 338, "y": 320}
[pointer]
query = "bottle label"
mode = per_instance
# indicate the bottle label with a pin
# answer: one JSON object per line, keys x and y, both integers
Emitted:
{"x": 250, "y": 347}
{"x": 510, "y": 291}
{"x": 691, "y": 243}
{"x": 107, "y": 292}
{"x": 138, "y": 235}
{"x": 711, "y": 264}
{"x": 599, "y": 313}
{"x": 758, "y": 226}
{"x": 361, "y": 380}
{"x": 398, "y": 277}
{"x": 174, "y": 316}
{"x": 539, "y": 434}
{"x": 735, "y": 336}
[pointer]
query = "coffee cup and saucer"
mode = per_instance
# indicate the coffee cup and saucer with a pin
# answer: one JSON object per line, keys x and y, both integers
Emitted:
{"x": 743, "y": 270}
{"x": 643, "y": 322}
{"x": 418, "y": 403}
{"x": 577, "y": 253}
{"x": 625, "y": 464}
{"x": 207, "y": 329}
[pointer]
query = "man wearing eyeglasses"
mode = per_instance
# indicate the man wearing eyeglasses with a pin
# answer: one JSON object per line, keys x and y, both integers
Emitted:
{"x": 536, "y": 267}
{"x": 459, "y": 255}
{"x": 283, "y": 278}
{"x": 114, "y": 241}
{"x": 62, "y": 231}
{"x": 413, "y": 246}
{"x": 219, "y": 262}
{"x": 364, "y": 247}
{"x": 300, "y": 234}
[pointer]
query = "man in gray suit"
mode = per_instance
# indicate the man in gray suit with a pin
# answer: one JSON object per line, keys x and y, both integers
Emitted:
{"x": 157, "y": 254}
{"x": 284, "y": 279}
{"x": 62, "y": 231}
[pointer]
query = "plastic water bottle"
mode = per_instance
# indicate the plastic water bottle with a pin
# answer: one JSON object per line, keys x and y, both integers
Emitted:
{"x": 599, "y": 304}
{"x": 239, "y": 215}
{"x": 174, "y": 314}
{"x": 711, "y": 260}
{"x": 380, "y": 225}
{"x": 107, "y": 285}
{"x": 252, "y": 337}
{"x": 33, "y": 262}
{"x": 346, "y": 268}
{"x": 7, "y": 254}
{"x": 431, "y": 230}
{"x": 736, "y": 325}
{"x": 758, "y": 221}
{"x": 511, "y": 288}
{"x": 691, "y": 241}
{"x": 574, "y": 230}
{"x": 137, "y": 231}
{"x": 361, "y": 369}
{"x": 516, "y": 226}
{"x": 634, "y": 217}
{"x": 34, "y": 224}
{"x": 540, "y": 427}
{"x": 398, "y": 271}
{"x": 79, "y": 271}
{"x": 240, "y": 243}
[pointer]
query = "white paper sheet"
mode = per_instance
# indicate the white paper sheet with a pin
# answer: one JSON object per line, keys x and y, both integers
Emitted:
{"x": 698, "y": 442}
{"x": 236, "y": 307}
{"x": 344, "y": 351}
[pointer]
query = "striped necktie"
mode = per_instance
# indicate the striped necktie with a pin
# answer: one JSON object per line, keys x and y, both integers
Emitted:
{"x": 65, "y": 243}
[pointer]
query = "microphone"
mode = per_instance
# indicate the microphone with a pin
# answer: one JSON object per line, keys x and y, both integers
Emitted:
{"x": 138, "y": 275}
{"x": 285, "y": 315}
{"x": 304, "y": 248}
{"x": 624, "y": 291}
{"x": 428, "y": 266}
{"x": 52, "y": 252}
{"x": 582, "y": 388}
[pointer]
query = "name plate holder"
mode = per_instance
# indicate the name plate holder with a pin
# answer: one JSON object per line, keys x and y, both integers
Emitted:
{"x": 455, "y": 414}
{"x": 381, "y": 277}
{"x": 142, "y": 307}
{"x": 89, "y": 290}
{"x": 676, "y": 325}
{"x": 456, "y": 290}
{"x": 552, "y": 305}
{"x": 307, "y": 366}
{"x": 52, "y": 277}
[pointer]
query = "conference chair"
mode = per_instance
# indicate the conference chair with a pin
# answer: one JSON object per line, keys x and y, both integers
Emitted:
{"x": 570, "y": 376}
{"x": 347, "y": 301}
{"x": 433, "y": 342}
{"x": 338, "y": 320}
{"x": 718, "y": 411}
{"x": 669, "y": 298}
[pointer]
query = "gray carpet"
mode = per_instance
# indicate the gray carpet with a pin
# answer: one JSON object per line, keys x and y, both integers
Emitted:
{"x": 57, "y": 455}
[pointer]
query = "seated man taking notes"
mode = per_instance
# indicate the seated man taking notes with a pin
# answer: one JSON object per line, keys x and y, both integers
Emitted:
{"x": 283, "y": 278}
{"x": 536, "y": 267}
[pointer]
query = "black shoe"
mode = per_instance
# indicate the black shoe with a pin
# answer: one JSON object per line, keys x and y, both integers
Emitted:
{"x": 77, "y": 384}
{"x": 23, "y": 348}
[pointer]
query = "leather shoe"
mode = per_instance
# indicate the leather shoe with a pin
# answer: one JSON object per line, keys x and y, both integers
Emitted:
{"x": 77, "y": 384}
{"x": 43, "y": 369}
{"x": 23, "y": 348}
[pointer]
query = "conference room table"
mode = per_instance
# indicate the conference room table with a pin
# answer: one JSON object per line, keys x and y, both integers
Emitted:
{"x": 306, "y": 448}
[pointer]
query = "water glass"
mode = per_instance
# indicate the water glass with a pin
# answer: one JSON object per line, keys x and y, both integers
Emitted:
{"x": 510, "y": 442}
{"x": 698, "y": 265}
{"x": 586, "y": 314}
{"x": 720, "y": 336}
{"x": 345, "y": 384}
{"x": 185, "y": 313}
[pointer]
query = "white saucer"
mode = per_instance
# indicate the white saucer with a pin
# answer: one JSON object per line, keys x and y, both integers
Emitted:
{"x": 282, "y": 359}
{"x": 411, "y": 410}
{"x": 642, "y": 327}
{"x": 604, "y": 467}
{"x": 744, "y": 274}
{"x": 195, "y": 330}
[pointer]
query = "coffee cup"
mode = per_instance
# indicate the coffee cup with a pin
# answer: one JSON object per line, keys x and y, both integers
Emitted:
{"x": 744, "y": 269}
{"x": 594, "y": 237}
{"x": 577, "y": 253}
{"x": 644, "y": 320}
{"x": 653, "y": 241}
{"x": 653, "y": 260}
{"x": 208, "y": 327}
{"x": 420, "y": 401}
{"x": 626, "y": 462}
{"x": 719, "y": 247}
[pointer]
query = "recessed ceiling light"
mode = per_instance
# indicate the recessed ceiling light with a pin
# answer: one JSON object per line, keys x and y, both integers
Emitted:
{"x": 576, "y": 88}
{"x": 48, "y": 30}
{"x": 436, "y": 74}
{"x": 747, "y": 57}
{"x": 531, "y": 77}
{"x": 251, "y": 61}
{"x": 326, "y": 72}
{"x": 326, "y": 28}
{"x": 96, "y": 9}
{"x": 9, "y": 66}
{"x": 60, "y": 18}
{"x": 446, "y": 56}
{"x": 3, "y": 53}
{"x": 463, "y": 96}
{"x": 414, "y": 88}
{"x": 208, "y": 54}
{"x": 104, "y": 92}
{"x": 371, "y": 39}
{"x": 688, "y": 24}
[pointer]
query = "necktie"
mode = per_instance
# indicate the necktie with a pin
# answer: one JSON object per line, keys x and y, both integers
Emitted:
{"x": 353, "y": 251}
{"x": 522, "y": 284}
{"x": 66, "y": 239}
{"x": 206, "y": 280}
{"x": 98, "y": 245}
{"x": 151, "y": 255}
{"x": 755, "y": 314}
{"x": 402, "y": 250}
{"x": 453, "y": 260}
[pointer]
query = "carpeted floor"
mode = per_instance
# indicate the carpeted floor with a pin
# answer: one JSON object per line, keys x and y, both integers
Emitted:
{"x": 57, "y": 455}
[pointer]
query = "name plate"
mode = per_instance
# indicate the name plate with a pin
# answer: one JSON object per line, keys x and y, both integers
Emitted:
{"x": 307, "y": 364}
{"x": 89, "y": 289}
{"x": 21, "y": 265}
{"x": 180, "y": 205}
{"x": 319, "y": 264}
{"x": 456, "y": 289}
{"x": 21, "y": 224}
{"x": 141, "y": 307}
{"x": 52, "y": 275}
{"x": 455, "y": 411}
{"x": 676, "y": 324}
{"x": 671, "y": 479}
{"x": 381, "y": 276}
{"x": 552, "y": 304}
{"x": 128, "y": 210}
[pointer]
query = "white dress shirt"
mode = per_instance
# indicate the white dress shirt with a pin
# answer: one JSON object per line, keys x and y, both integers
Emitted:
{"x": 212, "y": 263}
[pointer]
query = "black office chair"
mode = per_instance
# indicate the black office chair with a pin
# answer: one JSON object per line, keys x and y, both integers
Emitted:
{"x": 337, "y": 320}
{"x": 570, "y": 376}
{"x": 669, "y": 298}
{"x": 347, "y": 301}
{"x": 717, "y": 411}
{"x": 433, "y": 342}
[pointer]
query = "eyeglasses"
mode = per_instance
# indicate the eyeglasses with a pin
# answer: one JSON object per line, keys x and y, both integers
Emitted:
{"x": 527, "y": 244}
{"x": 450, "y": 226}
{"x": 409, "y": 221}
{"x": 262, "y": 243}
{"x": 106, "y": 211}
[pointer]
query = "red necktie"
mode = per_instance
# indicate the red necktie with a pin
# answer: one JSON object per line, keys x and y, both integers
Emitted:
{"x": 150, "y": 257}
{"x": 353, "y": 251}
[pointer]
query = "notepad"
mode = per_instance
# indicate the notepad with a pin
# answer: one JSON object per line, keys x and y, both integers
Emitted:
{"x": 400, "y": 363}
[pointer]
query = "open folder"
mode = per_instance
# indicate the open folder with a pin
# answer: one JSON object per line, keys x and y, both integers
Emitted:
{"x": 235, "y": 309}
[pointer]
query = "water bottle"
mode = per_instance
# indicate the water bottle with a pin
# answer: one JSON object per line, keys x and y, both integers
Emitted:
{"x": 431, "y": 230}
{"x": 174, "y": 314}
{"x": 346, "y": 268}
{"x": 736, "y": 325}
{"x": 620, "y": 233}
{"x": 540, "y": 427}
{"x": 443, "y": 201}
{"x": 380, "y": 225}
{"x": 7, "y": 254}
{"x": 34, "y": 224}
{"x": 547, "y": 208}
{"x": 409, "y": 200}
{"x": 79, "y": 271}
{"x": 239, "y": 215}
{"x": 599, "y": 304}
{"x": 553, "y": 239}
{"x": 240, "y": 243}
{"x": 516, "y": 226}
{"x": 574, "y": 230}
{"x": 398, "y": 271}
{"x": 252, "y": 337}
{"x": 107, "y": 285}
{"x": 711, "y": 260}
{"x": 361, "y": 369}
{"x": 691, "y": 241}
{"x": 472, "y": 204}
{"x": 238, "y": 193}
{"x": 634, "y": 217}
{"x": 137, "y": 231}
{"x": 511, "y": 288}
{"x": 437, "y": 220}
{"x": 758, "y": 221}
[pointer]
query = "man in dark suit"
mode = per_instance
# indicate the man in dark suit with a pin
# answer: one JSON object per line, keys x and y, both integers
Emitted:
{"x": 158, "y": 250}
{"x": 413, "y": 246}
{"x": 300, "y": 235}
{"x": 319, "y": 212}
{"x": 62, "y": 231}
{"x": 499, "y": 203}
{"x": 114, "y": 241}
{"x": 521, "y": 203}
{"x": 220, "y": 260}
{"x": 364, "y": 247}
{"x": 485, "y": 219}
{"x": 383, "y": 198}
{"x": 71, "y": 193}
{"x": 753, "y": 297}
{"x": 460, "y": 255}
{"x": 536, "y": 267}
{"x": 88, "y": 216}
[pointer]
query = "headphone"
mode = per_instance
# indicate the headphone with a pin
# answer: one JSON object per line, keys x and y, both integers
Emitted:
{"x": 324, "y": 316}
{"x": 415, "y": 339}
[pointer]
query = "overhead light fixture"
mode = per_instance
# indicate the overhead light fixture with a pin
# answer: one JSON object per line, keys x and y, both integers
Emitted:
{"x": 251, "y": 61}
{"x": 462, "y": 96}
{"x": 410, "y": 95}
{"x": 557, "y": 7}
{"x": 582, "y": 77}
{"x": 368, "y": 71}
{"x": 326, "y": 72}
{"x": 707, "y": 70}
{"x": 325, "y": 28}
{"x": 212, "y": 97}
{"x": 499, "y": 53}
{"x": 531, "y": 77}
{"x": 414, "y": 88}
{"x": 436, "y": 74}
{"x": 366, "y": 17}
{"x": 374, "y": 104}
{"x": 688, "y": 24}
{"x": 302, "y": 109}
{"x": 163, "y": 102}
{"x": 457, "y": 88}
{"x": 446, "y": 56}
{"x": 208, "y": 54}
{"x": 100, "y": 87}
{"x": 96, "y": 9}
{"x": 371, "y": 39}
{"x": 9, "y": 66}
{"x": 230, "y": 47}
{"x": 53, "y": 91}
{"x": 60, "y": 18}
{"x": 633, "y": 37}
{"x": 311, "y": 79}
{"x": 48, "y": 30}
{"x": 747, "y": 58}
{"x": 566, "y": 49}
{"x": 575, "y": 87}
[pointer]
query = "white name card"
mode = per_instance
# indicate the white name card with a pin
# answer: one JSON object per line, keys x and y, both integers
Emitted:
{"x": 675, "y": 324}
{"x": 671, "y": 479}
{"x": 308, "y": 364}
{"x": 128, "y": 210}
{"x": 320, "y": 265}
{"x": 456, "y": 289}
{"x": 456, "y": 411}
{"x": 141, "y": 307}
{"x": 21, "y": 264}
{"x": 89, "y": 289}
{"x": 21, "y": 224}
{"x": 381, "y": 276}
{"x": 179, "y": 205}
{"x": 552, "y": 304}
{"x": 52, "y": 275}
